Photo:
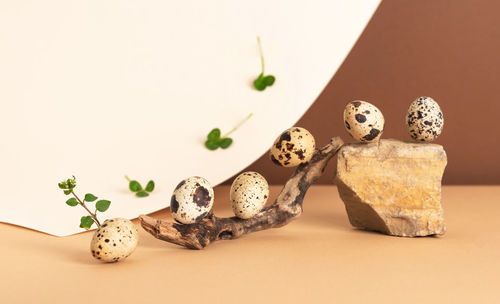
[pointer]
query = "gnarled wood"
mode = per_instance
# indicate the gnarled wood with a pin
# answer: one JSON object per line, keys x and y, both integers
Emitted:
{"x": 287, "y": 206}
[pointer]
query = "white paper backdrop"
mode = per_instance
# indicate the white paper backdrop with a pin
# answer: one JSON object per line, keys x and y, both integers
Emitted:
{"x": 100, "y": 89}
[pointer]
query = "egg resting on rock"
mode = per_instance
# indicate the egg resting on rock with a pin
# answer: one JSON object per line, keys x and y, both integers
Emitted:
{"x": 249, "y": 193}
{"x": 424, "y": 119}
{"x": 192, "y": 200}
{"x": 115, "y": 240}
{"x": 363, "y": 121}
{"x": 293, "y": 147}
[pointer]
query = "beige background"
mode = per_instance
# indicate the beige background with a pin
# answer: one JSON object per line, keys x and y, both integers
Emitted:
{"x": 318, "y": 258}
{"x": 441, "y": 48}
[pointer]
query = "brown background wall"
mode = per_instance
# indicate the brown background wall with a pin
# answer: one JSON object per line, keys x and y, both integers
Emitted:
{"x": 449, "y": 50}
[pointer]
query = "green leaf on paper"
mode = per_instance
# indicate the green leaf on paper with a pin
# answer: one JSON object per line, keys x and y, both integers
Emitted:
{"x": 142, "y": 194}
{"x": 212, "y": 145}
{"x": 134, "y": 186}
{"x": 225, "y": 142}
{"x": 214, "y": 135}
{"x": 150, "y": 186}
{"x": 263, "y": 81}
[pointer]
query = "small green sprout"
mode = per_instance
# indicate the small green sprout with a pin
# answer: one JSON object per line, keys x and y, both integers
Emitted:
{"x": 136, "y": 187}
{"x": 87, "y": 221}
{"x": 215, "y": 140}
{"x": 263, "y": 81}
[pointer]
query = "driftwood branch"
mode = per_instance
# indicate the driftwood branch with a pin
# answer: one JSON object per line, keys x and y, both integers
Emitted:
{"x": 287, "y": 206}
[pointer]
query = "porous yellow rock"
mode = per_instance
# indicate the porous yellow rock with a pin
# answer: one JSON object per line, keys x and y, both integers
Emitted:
{"x": 393, "y": 186}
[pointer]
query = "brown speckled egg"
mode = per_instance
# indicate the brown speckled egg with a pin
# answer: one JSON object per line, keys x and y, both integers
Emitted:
{"x": 115, "y": 240}
{"x": 363, "y": 121}
{"x": 424, "y": 119}
{"x": 249, "y": 193}
{"x": 293, "y": 147}
{"x": 192, "y": 200}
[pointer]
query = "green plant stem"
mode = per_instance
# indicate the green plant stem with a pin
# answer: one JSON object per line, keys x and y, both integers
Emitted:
{"x": 261, "y": 54}
{"x": 238, "y": 125}
{"x": 83, "y": 205}
{"x": 128, "y": 178}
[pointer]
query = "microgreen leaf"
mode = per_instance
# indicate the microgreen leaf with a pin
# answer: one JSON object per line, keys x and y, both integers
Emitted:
{"x": 102, "y": 205}
{"x": 86, "y": 222}
{"x": 142, "y": 194}
{"x": 211, "y": 145}
{"x": 72, "y": 202}
{"x": 225, "y": 142}
{"x": 89, "y": 197}
{"x": 150, "y": 186}
{"x": 259, "y": 83}
{"x": 215, "y": 140}
{"x": 269, "y": 80}
{"x": 67, "y": 192}
{"x": 262, "y": 81}
{"x": 134, "y": 186}
{"x": 214, "y": 135}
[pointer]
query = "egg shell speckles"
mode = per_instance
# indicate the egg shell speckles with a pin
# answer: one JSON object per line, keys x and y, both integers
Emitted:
{"x": 249, "y": 193}
{"x": 192, "y": 200}
{"x": 293, "y": 147}
{"x": 115, "y": 240}
{"x": 424, "y": 119}
{"x": 363, "y": 121}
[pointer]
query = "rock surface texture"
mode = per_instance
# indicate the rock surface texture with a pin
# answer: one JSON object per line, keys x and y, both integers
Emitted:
{"x": 393, "y": 186}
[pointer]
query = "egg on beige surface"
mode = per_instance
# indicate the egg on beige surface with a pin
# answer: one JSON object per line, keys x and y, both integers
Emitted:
{"x": 293, "y": 147}
{"x": 363, "y": 121}
{"x": 115, "y": 240}
{"x": 249, "y": 193}
{"x": 192, "y": 200}
{"x": 424, "y": 119}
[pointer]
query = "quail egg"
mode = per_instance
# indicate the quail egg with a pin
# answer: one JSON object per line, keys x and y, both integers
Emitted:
{"x": 192, "y": 200}
{"x": 363, "y": 121}
{"x": 293, "y": 147}
{"x": 249, "y": 193}
{"x": 115, "y": 240}
{"x": 424, "y": 119}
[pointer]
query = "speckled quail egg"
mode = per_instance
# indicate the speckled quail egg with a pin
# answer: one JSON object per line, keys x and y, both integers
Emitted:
{"x": 363, "y": 121}
{"x": 424, "y": 119}
{"x": 249, "y": 193}
{"x": 115, "y": 240}
{"x": 192, "y": 200}
{"x": 293, "y": 147}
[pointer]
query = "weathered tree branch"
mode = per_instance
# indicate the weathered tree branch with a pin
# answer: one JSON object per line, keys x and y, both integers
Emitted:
{"x": 287, "y": 206}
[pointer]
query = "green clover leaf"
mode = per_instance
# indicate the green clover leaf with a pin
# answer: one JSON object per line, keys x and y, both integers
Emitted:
{"x": 150, "y": 186}
{"x": 134, "y": 186}
{"x": 142, "y": 194}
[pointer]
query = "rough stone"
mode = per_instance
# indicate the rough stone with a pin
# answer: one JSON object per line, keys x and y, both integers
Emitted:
{"x": 393, "y": 186}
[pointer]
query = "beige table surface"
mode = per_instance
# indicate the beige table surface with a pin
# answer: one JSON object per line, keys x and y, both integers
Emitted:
{"x": 319, "y": 258}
